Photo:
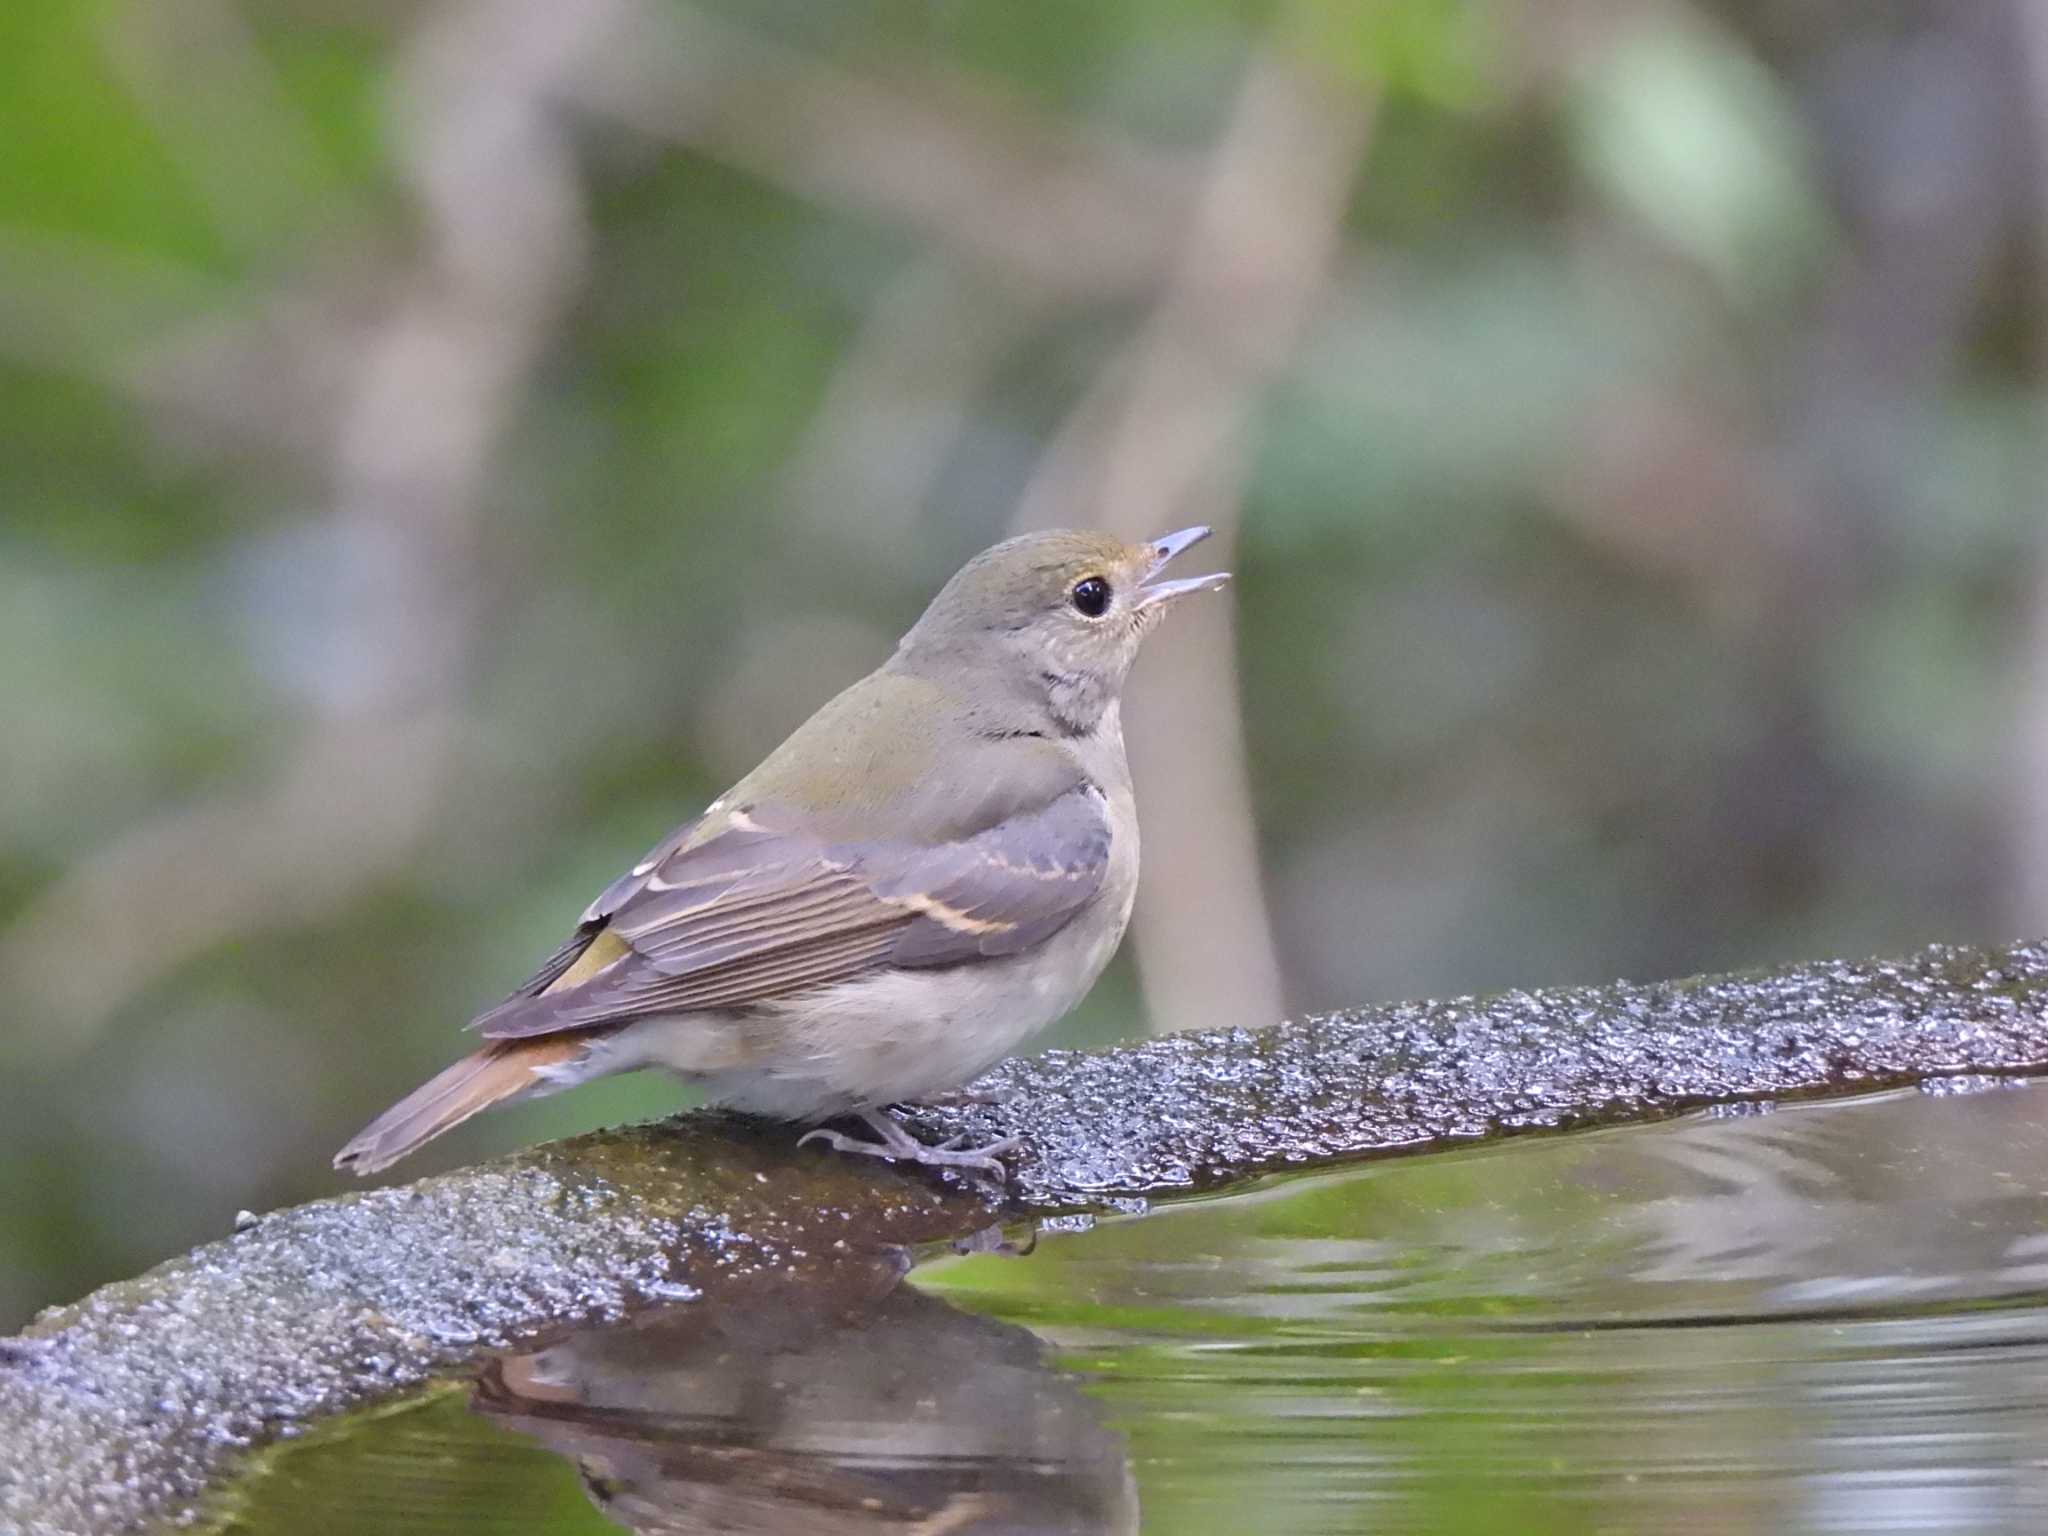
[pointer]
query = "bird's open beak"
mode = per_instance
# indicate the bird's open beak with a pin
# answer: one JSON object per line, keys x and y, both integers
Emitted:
{"x": 1164, "y": 548}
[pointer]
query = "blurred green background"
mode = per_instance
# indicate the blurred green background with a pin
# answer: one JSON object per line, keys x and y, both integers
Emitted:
{"x": 443, "y": 444}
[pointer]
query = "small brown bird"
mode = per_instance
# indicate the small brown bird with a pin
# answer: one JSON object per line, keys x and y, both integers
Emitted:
{"x": 936, "y": 865}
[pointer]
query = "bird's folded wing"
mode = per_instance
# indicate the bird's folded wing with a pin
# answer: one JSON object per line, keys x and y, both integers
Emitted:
{"x": 591, "y": 924}
{"x": 751, "y": 907}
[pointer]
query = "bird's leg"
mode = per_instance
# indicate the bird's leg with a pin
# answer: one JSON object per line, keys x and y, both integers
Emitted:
{"x": 898, "y": 1145}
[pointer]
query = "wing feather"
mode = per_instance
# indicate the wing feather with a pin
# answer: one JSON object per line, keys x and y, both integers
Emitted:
{"x": 722, "y": 918}
{"x": 640, "y": 990}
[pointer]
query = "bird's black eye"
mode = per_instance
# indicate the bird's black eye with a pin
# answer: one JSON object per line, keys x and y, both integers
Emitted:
{"x": 1091, "y": 596}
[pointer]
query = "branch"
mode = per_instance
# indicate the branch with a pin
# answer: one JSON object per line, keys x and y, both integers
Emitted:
{"x": 2027, "y": 792}
{"x": 123, "y": 1409}
{"x": 1074, "y": 212}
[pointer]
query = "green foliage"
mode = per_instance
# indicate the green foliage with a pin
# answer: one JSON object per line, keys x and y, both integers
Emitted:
{"x": 1428, "y": 50}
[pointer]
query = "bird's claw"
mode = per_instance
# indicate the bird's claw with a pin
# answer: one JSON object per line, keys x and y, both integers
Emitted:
{"x": 895, "y": 1144}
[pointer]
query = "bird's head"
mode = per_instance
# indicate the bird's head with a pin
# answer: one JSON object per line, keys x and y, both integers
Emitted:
{"x": 1057, "y": 616}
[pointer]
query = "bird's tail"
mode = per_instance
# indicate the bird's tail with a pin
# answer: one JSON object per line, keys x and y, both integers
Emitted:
{"x": 505, "y": 1069}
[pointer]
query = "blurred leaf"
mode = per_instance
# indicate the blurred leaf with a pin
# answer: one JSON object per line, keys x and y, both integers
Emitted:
{"x": 1681, "y": 125}
{"x": 1429, "y": 50}
{"x": 81, "y": 157}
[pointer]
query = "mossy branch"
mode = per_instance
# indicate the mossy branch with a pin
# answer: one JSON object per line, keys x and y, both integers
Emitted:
{"x": 123, "y": 1409}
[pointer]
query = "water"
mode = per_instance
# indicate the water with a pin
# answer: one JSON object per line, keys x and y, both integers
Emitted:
{"x": 1830, "y": 1318}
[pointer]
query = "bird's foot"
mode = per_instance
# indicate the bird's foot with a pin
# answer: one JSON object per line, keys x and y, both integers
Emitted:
{"x": 898, "y": 1145}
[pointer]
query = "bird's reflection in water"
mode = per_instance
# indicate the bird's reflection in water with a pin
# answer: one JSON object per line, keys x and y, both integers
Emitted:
{"x": 864, "y": 1406}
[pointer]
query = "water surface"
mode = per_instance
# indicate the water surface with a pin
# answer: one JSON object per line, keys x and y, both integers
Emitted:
{"x": 1828, "y": 1318}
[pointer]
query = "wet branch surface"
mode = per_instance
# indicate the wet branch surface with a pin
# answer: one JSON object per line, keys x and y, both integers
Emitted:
{"x": 124, "y": 1409}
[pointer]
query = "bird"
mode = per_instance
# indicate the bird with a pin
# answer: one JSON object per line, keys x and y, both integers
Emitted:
{"x": 935, "y": 866}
